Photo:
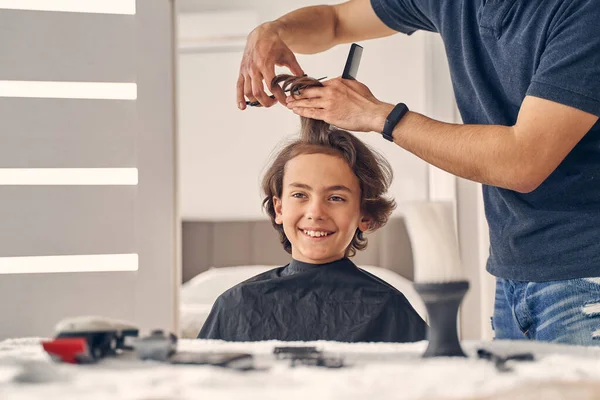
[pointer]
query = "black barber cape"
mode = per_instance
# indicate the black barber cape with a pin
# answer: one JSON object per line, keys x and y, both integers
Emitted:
{"x": 304, "y": 302}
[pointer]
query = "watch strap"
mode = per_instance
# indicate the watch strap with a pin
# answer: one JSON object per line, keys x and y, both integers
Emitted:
{"x": 393, "y": 119}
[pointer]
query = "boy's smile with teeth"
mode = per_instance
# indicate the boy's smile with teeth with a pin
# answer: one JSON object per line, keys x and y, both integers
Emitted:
{"x": 319, "y": 207}
{"x": 313, "y": 233}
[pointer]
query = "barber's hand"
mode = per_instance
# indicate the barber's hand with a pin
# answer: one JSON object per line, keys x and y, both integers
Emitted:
{"x": 345, "y": 103}
{"x": 264, "y": 50}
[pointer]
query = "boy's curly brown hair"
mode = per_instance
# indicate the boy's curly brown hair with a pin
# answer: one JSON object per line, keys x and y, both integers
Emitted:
{"x": 373, "y": 171}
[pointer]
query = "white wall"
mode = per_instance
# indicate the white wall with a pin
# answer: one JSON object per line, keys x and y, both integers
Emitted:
{"x": 224, "y": 151}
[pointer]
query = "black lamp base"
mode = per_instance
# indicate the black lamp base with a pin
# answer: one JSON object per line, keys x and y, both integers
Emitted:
{"x": 442, "y": 301}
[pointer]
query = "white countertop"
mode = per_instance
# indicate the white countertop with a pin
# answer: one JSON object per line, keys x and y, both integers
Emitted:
{"x": 377, "y": 371}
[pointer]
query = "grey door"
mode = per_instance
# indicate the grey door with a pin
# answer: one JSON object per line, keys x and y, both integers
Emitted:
{"x": 87, "y": 156}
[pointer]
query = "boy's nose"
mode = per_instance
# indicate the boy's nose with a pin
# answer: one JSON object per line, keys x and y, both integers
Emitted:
{"x": 315, "y": 210}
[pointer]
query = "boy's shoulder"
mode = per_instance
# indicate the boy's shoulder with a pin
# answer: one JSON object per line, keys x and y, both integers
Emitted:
{"x": 382, "y": 288}
{"x": 264, "y": 276}
{"x": 234, "y": 291}
{"x": 344, "y": 278}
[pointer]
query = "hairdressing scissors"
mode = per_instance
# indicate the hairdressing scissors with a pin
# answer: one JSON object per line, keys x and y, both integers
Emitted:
{"x": 257, "y": 103}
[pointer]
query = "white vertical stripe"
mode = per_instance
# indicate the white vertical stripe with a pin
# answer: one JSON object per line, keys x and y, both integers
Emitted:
{"x": 68, "y": 176}
{"x": 74, "y": 263}
{"x": 591, "y": 309}
{"x": 82, "y": 6}
{"x": 69, "y": 90}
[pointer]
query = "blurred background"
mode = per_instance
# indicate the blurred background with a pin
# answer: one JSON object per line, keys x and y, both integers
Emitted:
{"x": 127, "y": 168}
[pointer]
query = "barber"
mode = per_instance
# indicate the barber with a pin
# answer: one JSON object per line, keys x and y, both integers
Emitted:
{"x": 526, "y": 77}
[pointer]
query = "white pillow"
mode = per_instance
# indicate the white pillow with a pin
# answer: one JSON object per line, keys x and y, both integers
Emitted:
{"x": 402, "y": 284}
{"x": 198, "y": 295}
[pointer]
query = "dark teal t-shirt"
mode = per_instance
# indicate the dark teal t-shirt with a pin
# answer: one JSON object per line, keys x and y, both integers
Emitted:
{"x": 500, "y": 51}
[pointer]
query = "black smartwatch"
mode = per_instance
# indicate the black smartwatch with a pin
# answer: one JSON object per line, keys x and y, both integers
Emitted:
{"x": 392, "y": 120}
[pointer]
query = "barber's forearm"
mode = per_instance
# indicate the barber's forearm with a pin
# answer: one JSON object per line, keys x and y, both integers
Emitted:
{"x": 489, "y": 154}
{"x": 307, "y": 30}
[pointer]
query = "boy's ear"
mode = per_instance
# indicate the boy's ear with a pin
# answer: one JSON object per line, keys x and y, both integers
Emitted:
{"x": 277, "y": 207}
{"x": 365, "y": 223}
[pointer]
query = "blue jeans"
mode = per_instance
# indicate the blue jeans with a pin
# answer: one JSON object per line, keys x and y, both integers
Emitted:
{"x": 558, "y": 311}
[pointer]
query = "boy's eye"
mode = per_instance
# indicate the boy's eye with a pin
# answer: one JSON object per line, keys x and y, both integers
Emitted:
{"x": 337, "y": 198}
{"x": 298, "y": 195}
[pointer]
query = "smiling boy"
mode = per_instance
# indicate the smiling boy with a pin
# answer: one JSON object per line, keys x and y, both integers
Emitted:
{"x": 322, "y": 192}
{"x": 319, "y": 208}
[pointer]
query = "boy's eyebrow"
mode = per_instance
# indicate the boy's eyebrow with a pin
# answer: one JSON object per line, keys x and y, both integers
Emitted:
{"x": 327, "y": 189}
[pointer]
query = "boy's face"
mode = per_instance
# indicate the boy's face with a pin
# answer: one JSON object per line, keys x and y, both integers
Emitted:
{"x": 319, "y": 207}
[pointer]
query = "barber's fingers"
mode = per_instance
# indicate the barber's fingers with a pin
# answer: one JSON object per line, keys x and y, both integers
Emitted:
{"x": 350, "y": 85}
{"x": 343, "y": 85}
{"x": 334, "y": 91}
{"x": 336, "y": 82}
{"x": 264, "y": 71}
{"x": 314, "y": 113}
{"x": 269, "y": 75}
{"x": 248, "y": 88}
{"x": 289, "y": 60}
{"x": 317, "y": 102}
{"x": 251, "y": 86}
{"x": 308, "y": 93}
{"x": 258, "y": 90}
{"x": 241, "y": 100}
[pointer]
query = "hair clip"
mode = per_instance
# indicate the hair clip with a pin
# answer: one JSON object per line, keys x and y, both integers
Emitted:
{"x": 257, "y": 103}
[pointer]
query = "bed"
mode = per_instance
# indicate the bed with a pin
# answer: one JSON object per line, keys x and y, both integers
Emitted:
{"x": 210, "y": 266}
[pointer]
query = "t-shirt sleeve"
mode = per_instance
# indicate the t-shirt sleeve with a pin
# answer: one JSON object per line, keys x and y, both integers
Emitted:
{"x": 569, "y": 68}
{"x": 406, "y": 16}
